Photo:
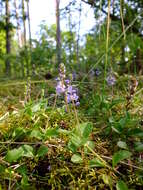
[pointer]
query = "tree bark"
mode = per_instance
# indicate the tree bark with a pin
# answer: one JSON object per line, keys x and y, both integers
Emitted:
{"x": 8, "y": 38}
{"x": 29, "y": 24}
{"x": 24, "y": 33}
{"x": 24, "y": 23}
{"x": 18, "y": 25}
{"x": 78, "y": 36}
{"x": 58, "y": 32}
{"x": 70, "y": 30}
{"x": 30, "y": 38}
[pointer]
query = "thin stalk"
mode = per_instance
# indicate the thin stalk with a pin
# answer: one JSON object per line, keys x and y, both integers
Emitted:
{"x": 54, "y": 105}
{"x": 100, "y": 18}
{"x": 122, "y": 19}
{"x": 107, "y": 42}
{"x": 99, "y": 157}
{"x": 66, "y": 102}
{"x": 102, "y": 160}
{"x": 78, "y": 36}
{"x": 75, "y": 111}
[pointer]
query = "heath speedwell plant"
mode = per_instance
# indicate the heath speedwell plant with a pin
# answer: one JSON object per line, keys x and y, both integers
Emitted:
{"x": 65, "y": 88}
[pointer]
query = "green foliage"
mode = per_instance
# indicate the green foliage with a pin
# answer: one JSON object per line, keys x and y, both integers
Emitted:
{"x": 119, "y": 156}
{"x": 107, "y": 180}
{"x": 95, "y": 162}
{"x": 42, "y": 151}
{"x": 23, "y": 151}
{"x": 122, "y": 144}
{"x": 2, "y": 43}
{"x": 138, "y": 146}
{"x": 42, "y": 144}
{"x": 14, "y": 155}
{"x": 76, "y": 158}
{"x": 79, "y": 136}
{"x": 42, "y": 140}
{"x": 121, "y": 185}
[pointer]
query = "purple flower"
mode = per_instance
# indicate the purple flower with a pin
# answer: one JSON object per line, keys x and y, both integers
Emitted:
{"x": 67, "y": 81}
{"x": 60, "y": 88}
{"x": 68, "y": 98}
{"x": 97, "y": 72}
{"x": 64, "y": 87}
{"x": 72, "y": 97}
{"x": 69, "y": 89}
{"x": 92, "y": 73}
{"x": 72, "y": 94}
{"x": 77, "y": 103}
{"x": 75, "y": 97}
{"x": 111, "y": 80}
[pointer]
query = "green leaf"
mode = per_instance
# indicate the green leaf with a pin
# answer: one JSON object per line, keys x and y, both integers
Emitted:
{"x": 42, "y": 150}
{"x": 136, "y": 132}
{"x": 36, "y": 134}
{"x": 121, "y": 185}
{"x": 76, "y": 158}
{"x": 79, "y": 136}
{"x": 14, "y": 154}
{"x": 22, "y": 169}
{"x": 120, "y": 155}
{"x": 36, "y": 107}
{"x": 28, "y": 151}
{"x": 84, "y": 130}
{"x": 107, "y": 180}
{"x": 24, "y": 180}
{"x": 64, "y": 131}
{"x": 122, "y": 144}
{"x": 123, "y": 121}
{"x": 52, "y": 132}
{"x": 77, "y": 140}
{"x": 18, "y": 133}
{"x": 121, "y": 124}
{"x": 2, "y": 168}
{"x": 139, "y": 146}
{"x": 117, "y": 128}
{"x": 95, "y": 162}
{"x": 90, "y": 144}
{"x": 72, "y": 147}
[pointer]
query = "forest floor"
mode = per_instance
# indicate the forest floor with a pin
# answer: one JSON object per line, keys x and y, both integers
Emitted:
{"x": 45, "y": 144}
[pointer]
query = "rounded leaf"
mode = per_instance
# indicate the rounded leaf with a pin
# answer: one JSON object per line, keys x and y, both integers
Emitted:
{"x": 76, "y": 158}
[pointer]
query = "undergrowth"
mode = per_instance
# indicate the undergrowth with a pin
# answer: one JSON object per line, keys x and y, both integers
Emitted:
{"x": 43, "y": 146}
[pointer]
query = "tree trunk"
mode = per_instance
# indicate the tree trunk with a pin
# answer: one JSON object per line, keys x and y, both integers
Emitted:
{"x": 18, "y": 25}
{"x": 24, "y": 23}
{"x": 71, "y": 34}
{"x": 8, "y": 39}
{"x": 78, "y": 36}
{"x": 19, "y": 36}
{"x": 58, "y": 32}
{"x": 24, "y": 33}
{"x": 30, "y": 38}
{"x": 29, "y": 24}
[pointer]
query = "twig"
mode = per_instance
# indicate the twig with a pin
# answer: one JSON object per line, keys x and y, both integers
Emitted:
{"x": 131, "y": 165}
{"x": 30, "y": 143}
